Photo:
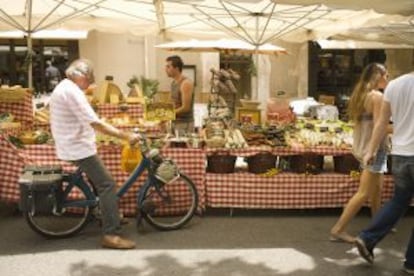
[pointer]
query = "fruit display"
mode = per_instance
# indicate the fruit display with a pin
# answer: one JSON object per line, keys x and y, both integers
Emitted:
{"x": 311, "y": 133}
{"x": 303, "y": 133}
{"x": 159, "y": 111}
{"x": 7, "y": 121}
{"x": 34, "y": 137}
{"x": 273, "y": 136}
{"x": 42, "y": 116}
{"x": 234, "y": 139}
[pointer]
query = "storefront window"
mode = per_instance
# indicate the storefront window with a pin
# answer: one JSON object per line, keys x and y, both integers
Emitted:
{"x": 49, "y": 61}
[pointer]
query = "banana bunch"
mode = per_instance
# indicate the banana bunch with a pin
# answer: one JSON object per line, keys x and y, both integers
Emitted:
{"x": 355, "y": 174}
{"x": 42, "y": 116}
{"x": 271, "y": 172}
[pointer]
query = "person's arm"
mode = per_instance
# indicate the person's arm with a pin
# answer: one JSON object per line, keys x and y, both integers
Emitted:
{"x": 380, "y": 129}
{"x": 186, "y": 97}
{"x": 110, "y": 130}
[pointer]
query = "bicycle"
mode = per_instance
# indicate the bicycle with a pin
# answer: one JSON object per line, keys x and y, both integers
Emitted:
{"x": 167, "y": 200}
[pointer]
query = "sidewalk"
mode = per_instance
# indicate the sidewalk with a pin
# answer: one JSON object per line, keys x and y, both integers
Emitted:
{"x": 248, "y": 243}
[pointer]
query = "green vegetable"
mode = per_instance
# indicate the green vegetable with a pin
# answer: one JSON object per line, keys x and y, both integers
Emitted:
{"x": 16, "y": 141}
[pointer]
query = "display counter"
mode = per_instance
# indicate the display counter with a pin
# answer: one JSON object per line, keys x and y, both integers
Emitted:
{"x": 284, "y": 190}
{"x": 234, "y": 190}
{"x": 12, "y": 161}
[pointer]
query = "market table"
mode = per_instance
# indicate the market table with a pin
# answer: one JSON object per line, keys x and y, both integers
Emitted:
{"x": 12, "y": 161}
{"x": 284, "y": 190}
{"x": 135, "y": 110}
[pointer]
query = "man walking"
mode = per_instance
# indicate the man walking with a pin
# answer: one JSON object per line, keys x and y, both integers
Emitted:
{"x": 398, "y": 103}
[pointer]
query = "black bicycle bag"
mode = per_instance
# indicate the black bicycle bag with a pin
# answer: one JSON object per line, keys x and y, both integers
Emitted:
{"x": 40, "y": 189}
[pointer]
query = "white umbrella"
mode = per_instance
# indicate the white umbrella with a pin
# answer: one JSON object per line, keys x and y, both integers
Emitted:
{"x": 32, "y": 18}
{"x": 232, "y": 46}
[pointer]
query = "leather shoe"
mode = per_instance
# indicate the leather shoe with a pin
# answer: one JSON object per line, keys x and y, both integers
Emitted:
{"x": 116, "y": 242}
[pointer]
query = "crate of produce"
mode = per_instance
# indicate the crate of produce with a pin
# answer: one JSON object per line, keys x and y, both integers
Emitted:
{"x": 14, "y": 94}
{"x": 261, "y": 162}
{"x": 345, "y": 163}
{"x": 306, "y": 163}
{"x": 217, "y": 163}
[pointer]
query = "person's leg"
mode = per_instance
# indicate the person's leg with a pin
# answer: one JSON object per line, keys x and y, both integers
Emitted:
{"x": 409, "y": 254}
{"x": 367, "y": 186}
{"x": 388, "y": 216}
{"x": 108, "y": 201}
{"x": 375, "y": 195}
{"x": 94, "y": 168}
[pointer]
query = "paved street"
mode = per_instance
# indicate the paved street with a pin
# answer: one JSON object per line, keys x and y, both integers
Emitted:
{"x": 247, "y": 243}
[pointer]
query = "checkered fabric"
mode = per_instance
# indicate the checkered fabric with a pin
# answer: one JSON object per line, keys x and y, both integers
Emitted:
{"x": 135, "y": 110}
{"x": 283, "y": 191}
{"x": 191, "y": 163}
{"x": 22, "y": 111}
{"x": 11, "y": 164}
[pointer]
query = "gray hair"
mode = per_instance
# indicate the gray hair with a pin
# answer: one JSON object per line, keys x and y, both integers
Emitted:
{"x": 80, "y": 67}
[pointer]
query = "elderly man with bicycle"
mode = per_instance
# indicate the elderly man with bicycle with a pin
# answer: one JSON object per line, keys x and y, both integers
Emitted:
{"x": 73, "y": 126}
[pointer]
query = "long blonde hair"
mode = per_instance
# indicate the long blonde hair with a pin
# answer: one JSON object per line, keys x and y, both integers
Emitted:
{"x": 368, "y": 81}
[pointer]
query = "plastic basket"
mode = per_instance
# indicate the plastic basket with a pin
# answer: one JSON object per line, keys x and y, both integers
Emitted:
{"x": 221, "y": 163}
{"x": 345, "y": 164}
{"x": 306, "y": 163}
{"x": 261, "y": 162}
{"x": 12, "y": 95}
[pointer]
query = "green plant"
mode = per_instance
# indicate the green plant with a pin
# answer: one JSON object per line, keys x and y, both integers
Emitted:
{"x": 149, "y": 87}
{"x": 132, "y": 81}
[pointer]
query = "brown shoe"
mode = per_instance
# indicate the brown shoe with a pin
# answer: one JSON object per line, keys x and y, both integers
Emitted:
{"x": 116, "y": 242}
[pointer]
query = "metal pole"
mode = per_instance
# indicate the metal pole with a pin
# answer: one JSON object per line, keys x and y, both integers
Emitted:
{"x": 29, "y": 44}
{"x": 255, "y": 93}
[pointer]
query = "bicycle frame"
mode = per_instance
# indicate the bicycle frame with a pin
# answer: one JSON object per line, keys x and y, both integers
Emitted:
{"x": 76, "y": 180}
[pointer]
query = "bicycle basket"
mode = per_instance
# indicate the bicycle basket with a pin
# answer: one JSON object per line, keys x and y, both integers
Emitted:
{"x": 167, "y": 171}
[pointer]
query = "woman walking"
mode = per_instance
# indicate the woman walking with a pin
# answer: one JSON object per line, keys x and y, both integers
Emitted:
{"x": 363, "y": 109}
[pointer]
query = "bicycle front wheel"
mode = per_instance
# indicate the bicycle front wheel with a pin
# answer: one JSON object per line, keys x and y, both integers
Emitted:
{"x": 68, "y": 221}
{"x": 170, "y": 206}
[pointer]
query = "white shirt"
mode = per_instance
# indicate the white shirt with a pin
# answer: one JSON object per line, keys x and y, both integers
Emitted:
{"x": 400, "y": 94}
{"x": 70, "y": 117}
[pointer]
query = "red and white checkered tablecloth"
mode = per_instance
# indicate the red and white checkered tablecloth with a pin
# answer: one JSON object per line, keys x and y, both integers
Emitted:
{"x": 283, "y": 191}
{"x": 135, "y": 110}
{"x": 12, "y": 161}
{"x": 22, "y": 111}
{"x": 11, "y": 164}
{"x": 249, "y": 151}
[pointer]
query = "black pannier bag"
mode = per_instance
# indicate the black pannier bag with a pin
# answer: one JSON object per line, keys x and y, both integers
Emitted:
{"x": 40, "y": 189}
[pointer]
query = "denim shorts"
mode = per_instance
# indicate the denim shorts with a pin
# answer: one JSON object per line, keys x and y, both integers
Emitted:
{"x": 379, "y": 164}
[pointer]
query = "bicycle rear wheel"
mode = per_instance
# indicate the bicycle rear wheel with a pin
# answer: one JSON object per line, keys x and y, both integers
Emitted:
{"x": 68, "y": 221}
{"x": 172, "y": 205}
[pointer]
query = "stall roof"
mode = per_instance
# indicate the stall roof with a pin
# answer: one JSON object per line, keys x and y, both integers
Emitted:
{"x": 255, "y": 21}
{"x": 353, "y": 44}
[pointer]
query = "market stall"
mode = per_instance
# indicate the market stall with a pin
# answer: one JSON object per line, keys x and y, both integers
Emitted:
{"x": 13, "y": 160}
{"x": 265, "y": 183}
{"x": 284, "y": 190}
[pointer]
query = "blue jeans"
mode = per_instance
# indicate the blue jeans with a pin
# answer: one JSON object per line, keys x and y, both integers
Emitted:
{"x": 393, "y": 210}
